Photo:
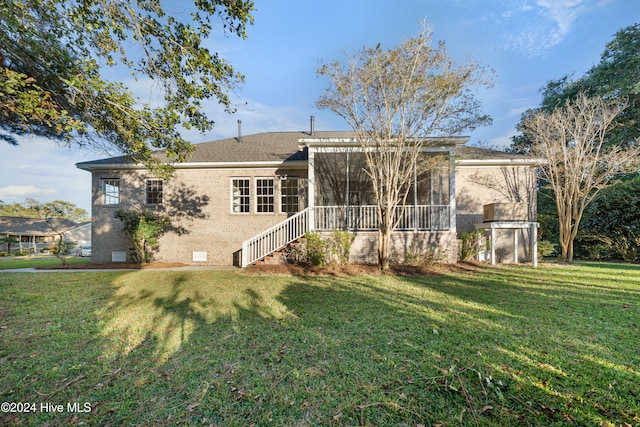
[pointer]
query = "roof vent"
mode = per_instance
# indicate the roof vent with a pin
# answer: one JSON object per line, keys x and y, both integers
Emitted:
{"x": 239, "y": 130}
{"x": 312, "y": 125}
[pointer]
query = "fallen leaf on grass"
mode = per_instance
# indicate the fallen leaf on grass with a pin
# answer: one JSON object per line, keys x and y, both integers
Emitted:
{"x": 193, "y": 406}
{"x": 486, "y": 408}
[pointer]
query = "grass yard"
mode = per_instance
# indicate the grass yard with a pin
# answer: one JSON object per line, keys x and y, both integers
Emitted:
{"x": 496, "y": 346}
{"x": 12, "y": 262}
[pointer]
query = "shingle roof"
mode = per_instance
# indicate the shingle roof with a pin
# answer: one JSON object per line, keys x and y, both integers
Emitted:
{"x": 274, "y": 147}
{"x": 34, "y": 226}
{"x": 260, "y": 147}
{"x": 476, "y": 153}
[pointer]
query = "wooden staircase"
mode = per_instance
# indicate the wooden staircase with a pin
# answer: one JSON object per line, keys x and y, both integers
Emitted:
{"x": 274, "y": 239}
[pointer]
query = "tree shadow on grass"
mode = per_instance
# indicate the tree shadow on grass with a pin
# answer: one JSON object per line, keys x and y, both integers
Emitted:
{"x": 168, "y": 310}
{"x": 362, "y": 350}
{"x": 526, "y": 370}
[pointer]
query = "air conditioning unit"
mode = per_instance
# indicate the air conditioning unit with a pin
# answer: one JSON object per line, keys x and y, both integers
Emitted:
{"x": 506, "y": 212}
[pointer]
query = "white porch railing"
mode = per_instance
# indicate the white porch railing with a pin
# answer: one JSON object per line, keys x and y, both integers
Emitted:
{"x": 275, "y": 238}
{"x": 421, "y": 217}
{"x": 354, "y": 218}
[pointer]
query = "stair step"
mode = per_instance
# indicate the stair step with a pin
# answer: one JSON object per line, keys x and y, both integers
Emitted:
{"x": 272, "y": 260}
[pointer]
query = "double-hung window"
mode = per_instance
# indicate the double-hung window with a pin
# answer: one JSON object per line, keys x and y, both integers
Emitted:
{"x": 265, "y": 198}
{"x": 240, "y": 195}
{"x": 111, "y": 191}
{"x": 154, "y": 188}
{"x": 290, "y": 195}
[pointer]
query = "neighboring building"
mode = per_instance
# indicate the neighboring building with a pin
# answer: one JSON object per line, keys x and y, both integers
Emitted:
{"x": 235, "y": 200}
{"x": 35, "y": 235}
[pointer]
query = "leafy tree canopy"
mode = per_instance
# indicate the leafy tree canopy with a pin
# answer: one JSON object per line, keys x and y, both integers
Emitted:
{"x": 56, "y": 57}
{"x": 31, "y": 208}
{"x": 614, "y": 218}
{"x": 617, "y": 75}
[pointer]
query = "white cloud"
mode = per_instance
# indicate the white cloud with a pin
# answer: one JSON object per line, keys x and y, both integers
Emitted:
{"x": 23, "y": 191}
{"x": 534, "y": 26}
{"x": 563, "y": 13}
{"x": 502, "y": 141}
{"x": 41, "y": 169}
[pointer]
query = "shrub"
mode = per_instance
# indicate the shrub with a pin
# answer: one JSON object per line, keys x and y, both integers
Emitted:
{"x": 625, "y": 245}
{"x": 317, "y": 249}
{"x": 340, "y": 245}
{"x": 143, "y": 229}
{"x": 432, "y": 254}
{"x": 598, "y": 251}
{"x": 612, "y": 222}
{"x": 3, "y": 253}
{"x": 469, "y": 245}
{"x": 545, "y": 248}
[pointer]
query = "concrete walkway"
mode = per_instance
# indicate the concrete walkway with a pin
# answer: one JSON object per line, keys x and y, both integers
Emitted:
{"x": 106, "y": 270}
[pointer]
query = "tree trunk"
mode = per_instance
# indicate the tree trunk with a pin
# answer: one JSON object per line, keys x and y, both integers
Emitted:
{"x": 569, "y": 259}
{"x": 564, "y": 247}
{"x": 383, "y": 249}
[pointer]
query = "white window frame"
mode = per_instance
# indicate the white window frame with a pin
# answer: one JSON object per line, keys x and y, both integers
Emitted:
{"x": 241, "y": 196}
{"x": 147, "y": 192}
{"x": 108, "y": 197}
{"x": 259, "y": 196}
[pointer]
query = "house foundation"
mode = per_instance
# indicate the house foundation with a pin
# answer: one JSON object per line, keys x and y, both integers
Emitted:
{"x": 444, "y": 245}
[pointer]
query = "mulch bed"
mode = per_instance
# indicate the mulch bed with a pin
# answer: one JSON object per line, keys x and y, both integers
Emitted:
{"x": 359, "y": 269}
{"x": 298, "y": 270}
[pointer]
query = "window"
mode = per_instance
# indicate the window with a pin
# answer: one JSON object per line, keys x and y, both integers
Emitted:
{"x": 111, "y": 191}
{"x": 290, "y": 195}
{"x": 240, "y": 195}
{"x": 265, "y": 199}
{"x": 154, "y": 191}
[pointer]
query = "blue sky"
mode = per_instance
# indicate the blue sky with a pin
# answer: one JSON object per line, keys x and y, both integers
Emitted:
{"x": 526, "y": 42}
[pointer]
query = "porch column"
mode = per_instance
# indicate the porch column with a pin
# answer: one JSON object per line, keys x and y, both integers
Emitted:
{"x": 493, "y": 244}
{"x": 452, "y": 194}
{"x": 347, "y": 198}
{"x": 311, "y": 188}
{"x": 534, "y": 244}
{"x": 515, "y": 246}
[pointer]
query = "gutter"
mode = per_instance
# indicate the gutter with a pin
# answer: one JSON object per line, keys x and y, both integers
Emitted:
{"x": 295, "y": 164}
{"x": 499, "y": 162}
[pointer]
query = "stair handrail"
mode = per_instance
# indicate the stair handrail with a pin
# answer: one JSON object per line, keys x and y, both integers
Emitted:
{"x": 275, "y": 238}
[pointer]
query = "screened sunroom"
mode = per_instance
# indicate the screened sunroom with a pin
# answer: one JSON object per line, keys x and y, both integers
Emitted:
{"x": 341, "y": 194}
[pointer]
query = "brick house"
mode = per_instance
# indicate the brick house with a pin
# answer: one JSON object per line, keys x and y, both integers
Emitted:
{"x": 238, "y": 199}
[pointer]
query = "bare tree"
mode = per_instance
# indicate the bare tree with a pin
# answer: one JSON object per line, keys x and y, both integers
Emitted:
{"x": 572, "y": 139}
{"x": 518, "y": 185}
{"x": 394, "y": 100}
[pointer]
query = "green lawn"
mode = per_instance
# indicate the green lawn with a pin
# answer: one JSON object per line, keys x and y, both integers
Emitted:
{"x": 498, "y": 346}
{"x": 12, "y": 262}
